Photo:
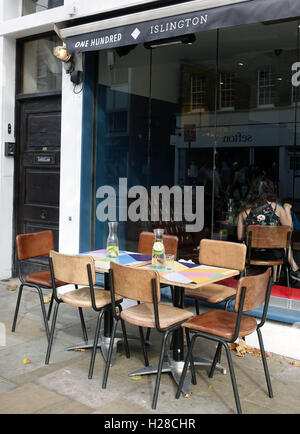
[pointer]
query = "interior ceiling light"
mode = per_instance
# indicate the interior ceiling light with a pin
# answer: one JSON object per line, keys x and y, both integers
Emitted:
{"x": 184, "y": 39}
{"x": 61, "y": 53}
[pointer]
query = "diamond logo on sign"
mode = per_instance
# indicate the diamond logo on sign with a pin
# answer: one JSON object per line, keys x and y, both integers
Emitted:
{"x": 136, "y": 33}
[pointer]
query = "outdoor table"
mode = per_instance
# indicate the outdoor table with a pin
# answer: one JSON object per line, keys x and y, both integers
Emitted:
{"x": 185, "y": 275}
{"x": 182, "y": 275}
{"x": 102, "y": 265}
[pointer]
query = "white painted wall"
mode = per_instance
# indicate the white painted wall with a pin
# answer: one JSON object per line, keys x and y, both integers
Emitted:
{"x": 70, "y": 169}
{"x": 7, "y": 97}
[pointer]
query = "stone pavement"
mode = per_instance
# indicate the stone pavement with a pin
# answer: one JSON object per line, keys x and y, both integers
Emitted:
{"x": 63, "y": 386}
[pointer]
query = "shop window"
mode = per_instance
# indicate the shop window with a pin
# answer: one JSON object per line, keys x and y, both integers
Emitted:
{"x": 41, "y": 70}
{"x": 295, "y": 95}
{"x": 198, "y": 92}
{"x": 266, "y": 87}
{"x": 227, "y": 91}
{"x": 33, "y": 6}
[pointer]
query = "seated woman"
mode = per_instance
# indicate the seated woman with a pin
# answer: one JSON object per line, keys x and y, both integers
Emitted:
{"x": 261, "y": 208}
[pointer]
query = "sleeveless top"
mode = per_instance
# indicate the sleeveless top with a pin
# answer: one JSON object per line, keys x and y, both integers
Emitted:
{"x": 263, "y": 215}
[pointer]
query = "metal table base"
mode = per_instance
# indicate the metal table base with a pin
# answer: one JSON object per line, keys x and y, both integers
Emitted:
{"x": 103, "y": 344}
{"x": 176, "y": 368}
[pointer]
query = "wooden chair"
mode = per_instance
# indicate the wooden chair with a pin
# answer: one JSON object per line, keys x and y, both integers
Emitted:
{"x": 33, "y": 245}
{"x": 146, "y": 241}
{"x": 144, "y": 287}
{"x": 269, "y": 237}
{"x": 223, "y": 254}
{"x": 225, "y": 327}
{"x": 79, "y": 271}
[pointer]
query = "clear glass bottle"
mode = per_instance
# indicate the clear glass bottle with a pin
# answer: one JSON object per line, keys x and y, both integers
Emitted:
{"x": 158, "y": 249}
{"x": 112, "y": 244}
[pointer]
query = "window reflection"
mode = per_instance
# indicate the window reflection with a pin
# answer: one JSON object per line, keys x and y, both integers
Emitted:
{"x": 32, "y": 6}
{"x": 41, "y": 69}
{"x": 197, "y": 115}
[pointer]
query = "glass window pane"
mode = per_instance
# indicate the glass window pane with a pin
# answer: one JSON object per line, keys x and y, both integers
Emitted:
{"x": 122, "y": 134}
{"x": 42, "y": 71}
{"x": 32, "y": 6}
{"x": 256, "y": 137}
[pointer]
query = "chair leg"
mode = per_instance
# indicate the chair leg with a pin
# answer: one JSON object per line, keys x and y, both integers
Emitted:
{"x": 85, "y": 336}
{"x": 50, "y": 307}
{"x": 287, "y": 275}
{"x": 192, "y": 366}
{"x": 186, "y": 365}
{"x": 216, "y": 360}
{"x": 159, "y": 369}
{"x": 125, "y": 339}
{"x": 43, "y": 310}
{"x": 148, "y": 335}
{"x": 17, "y": 307}
{"x": 143, "y": 346}
{"x": 111, "y": 344}
{"x": 197, "y": 307}
{"x": 263, "y": 354}
{"x": 233, "y": 379}
{"x": 50, "y": 342}
{"x": 96, "y": 338}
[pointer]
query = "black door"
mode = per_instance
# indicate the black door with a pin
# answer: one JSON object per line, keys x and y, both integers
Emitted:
{"x": 38, "y": 169}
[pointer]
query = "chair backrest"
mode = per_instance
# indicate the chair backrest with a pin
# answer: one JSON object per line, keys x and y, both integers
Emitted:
{"x": 256, "y": 290}
{"x": 134, "y": 283}
{"x": 146, "y": 241}
{"x": 72, "y": 268}
{"x": 268, "y": 237}
{"x": 34, "y": 244}
{"x": 222, "y": 254}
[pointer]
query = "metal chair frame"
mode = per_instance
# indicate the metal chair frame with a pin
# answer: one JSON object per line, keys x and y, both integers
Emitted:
{"x": 41, "y": 296}
{"x": 165, "y": 331}
{"x": 95, "y": 308}
{"x": 225, "y": 342}
{"x": 286, "y": 249}
{"x": 36, "y": 286}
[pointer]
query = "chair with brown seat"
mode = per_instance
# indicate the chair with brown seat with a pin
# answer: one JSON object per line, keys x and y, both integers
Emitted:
{"x": 146, "y": 241}
{"x": 226, "y": 327}
{"x": 143, "y": 286}
{"x": 223, "y": 254}
{"x": 79, "y": 271}
{"x": 33, "y": 245}
{"x": 267, "y": 238}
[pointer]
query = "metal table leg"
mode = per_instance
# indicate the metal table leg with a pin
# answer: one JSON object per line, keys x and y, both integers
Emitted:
{"x": 175, "y": 362}
{"x": 105, "y": 334}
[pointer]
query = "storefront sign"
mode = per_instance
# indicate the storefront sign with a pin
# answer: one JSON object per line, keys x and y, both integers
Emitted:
{"x": 253, "y": 11}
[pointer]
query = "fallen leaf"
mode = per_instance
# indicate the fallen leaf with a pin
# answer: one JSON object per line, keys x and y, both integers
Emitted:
{"x": 136, "y": 377}
{"x": 26, "y": 361}
{"x": 294, "y": 363}
{"x": 46, "y": 300}
{"x": 210, "y": 387}
{"x": 11, "y": 287}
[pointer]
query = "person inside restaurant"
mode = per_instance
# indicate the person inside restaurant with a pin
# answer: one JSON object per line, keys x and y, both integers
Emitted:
{"x": 262, "y": 208}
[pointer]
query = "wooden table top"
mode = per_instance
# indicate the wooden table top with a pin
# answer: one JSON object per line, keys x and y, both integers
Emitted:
{"x": 184, "y": 274}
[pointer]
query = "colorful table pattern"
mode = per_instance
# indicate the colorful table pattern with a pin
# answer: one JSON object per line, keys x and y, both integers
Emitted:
{"x": 102, "y": 261}
{"x": 192, "y": 274}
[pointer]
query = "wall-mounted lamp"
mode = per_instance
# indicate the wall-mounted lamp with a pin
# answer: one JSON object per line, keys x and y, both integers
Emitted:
{"x": 183, "y": 39}
{"x": 72, "y": 63}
